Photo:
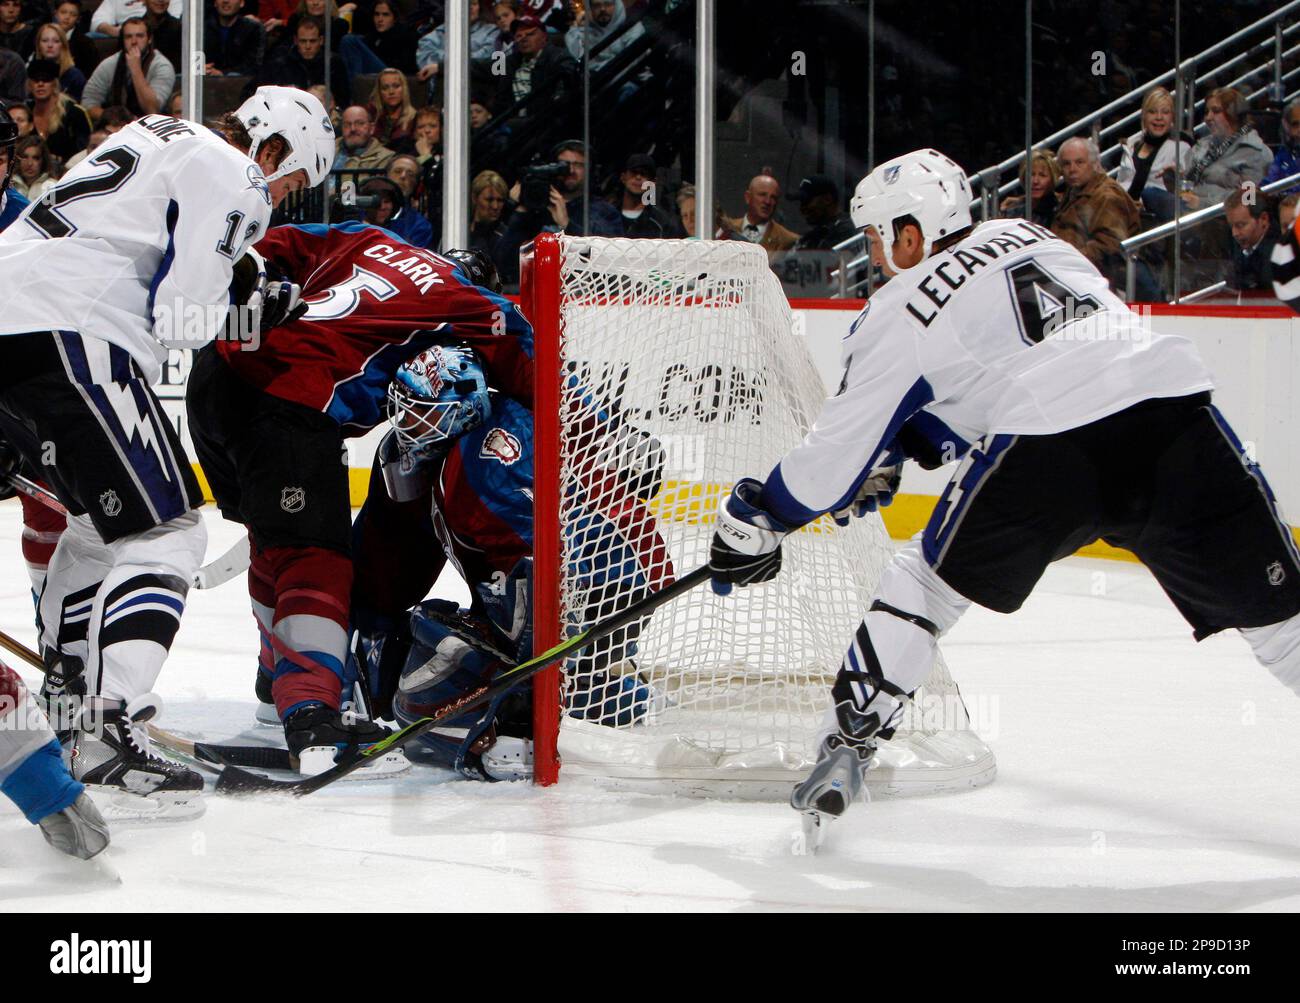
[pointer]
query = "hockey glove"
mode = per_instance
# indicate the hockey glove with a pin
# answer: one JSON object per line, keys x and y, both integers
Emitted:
{"x": 281, "y": 301}
{"x": 746, "y": 546}
{"x": 877, "y": 491}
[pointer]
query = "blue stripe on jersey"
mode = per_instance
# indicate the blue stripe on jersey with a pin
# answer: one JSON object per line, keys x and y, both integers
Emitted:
{"x": 937, "y": 433}
{"x": 165, "y": 266}
{"x": 12, "y": 207}
{"x": 1253, "y": 468}
{"x": 778, "y": 500}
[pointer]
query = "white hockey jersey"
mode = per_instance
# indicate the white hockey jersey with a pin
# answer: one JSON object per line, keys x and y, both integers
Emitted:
{"x": 136, "y": 244}
{"x": 1010, "y": 330}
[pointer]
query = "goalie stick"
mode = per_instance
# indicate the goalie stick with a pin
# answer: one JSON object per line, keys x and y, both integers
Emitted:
{"x": 217, "y": 572}
{"x": 206, "y": 754}
{"x": 234, "y": 780}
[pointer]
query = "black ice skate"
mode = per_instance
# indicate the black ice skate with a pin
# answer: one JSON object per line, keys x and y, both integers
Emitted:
{"x": 319, "y": 736}
{"x": 111, "y": 755}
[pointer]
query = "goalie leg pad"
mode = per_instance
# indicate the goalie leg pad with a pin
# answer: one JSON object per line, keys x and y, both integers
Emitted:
{"x": 440, "y": 667}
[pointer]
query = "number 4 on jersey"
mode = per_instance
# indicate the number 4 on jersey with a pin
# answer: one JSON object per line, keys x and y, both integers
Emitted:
{"x": 1043, "y": 303}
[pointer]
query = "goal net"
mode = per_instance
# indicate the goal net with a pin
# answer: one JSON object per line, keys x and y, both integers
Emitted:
{"x": 667, "y": 370}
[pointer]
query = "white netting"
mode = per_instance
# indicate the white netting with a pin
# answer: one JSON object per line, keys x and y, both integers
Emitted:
{"x": 692, "y": 343}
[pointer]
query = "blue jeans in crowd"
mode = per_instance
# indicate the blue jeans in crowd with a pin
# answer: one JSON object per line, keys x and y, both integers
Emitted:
{"x": 358, "y": 57}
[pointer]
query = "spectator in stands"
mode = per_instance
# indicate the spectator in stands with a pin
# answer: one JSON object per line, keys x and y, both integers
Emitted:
{"x": 757, "y": 225}
{"x": 275, "y": 15}
{"x": 1286, "y": 161}
{"x": 536, "y": 67}
{"x": 67, "y": 15}
{"x": 601, "y": 20}
{"x": 431, "y": 52}
{"x": 393, "y": 112}
{"x": 388, "y": 43}
{"x": 32, "y": 168}
{"x": 819, "y": 203}
{"x": 96, "y": 137}
{"x": 686, "y": 209}
{"x": 110, "y": 16}
{"x": 15, "y": 34}
{"x": 358, "y": 149}
{"x": 52, "y": 44}
{"x": 166, "y": 29}
{"x": 404, "y": 171}
{"x": 640, "y": 214}
{"x": 60, "y": 121}
{"x": 302, "y": 65}
{"x": 1231, "y": 154}
{"x": 504, "y": 15}
{"x": 1096, "y": 213}
{"x": 428, "y": 134}
{"x": 1246, "y": 211}
{"x": 135, "y": 76}
{"x": 1147, "y": 168}
{"x": 176, "y": 104}
{"x": 232, "y": 43}
{"x": 1286, "y": 212}
{"x": 489, "y": 147}
{"x": 13, "y": 77}
{"x": 323, "y": 95}
{"x": 315, "y": 9}
{"x": 395, "y": 213}
{"x": 1044, "y": 180}
{"x": 22, "y": 118}
{"x": 553, "y": 15}
{"x": 487, "y": 197}
{"x": 115, "y": 117}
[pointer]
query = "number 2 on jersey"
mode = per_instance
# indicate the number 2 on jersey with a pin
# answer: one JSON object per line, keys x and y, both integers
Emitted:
{"x": 46, "y": 217}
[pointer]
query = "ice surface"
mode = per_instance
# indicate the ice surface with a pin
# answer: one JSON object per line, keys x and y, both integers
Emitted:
{"x": 1137, "y": 770}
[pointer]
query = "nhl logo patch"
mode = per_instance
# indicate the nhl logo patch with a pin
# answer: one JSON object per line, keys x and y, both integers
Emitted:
{"x": 110, "y": 503}
{"x": 891, "y": 174}
{"x": 501, "y": 446}
{"x": 1276, "y": 574}
{"x": 293, "y": 499}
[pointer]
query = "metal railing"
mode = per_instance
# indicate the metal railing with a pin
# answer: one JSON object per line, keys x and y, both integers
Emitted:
{"x": 1130, "y": 246}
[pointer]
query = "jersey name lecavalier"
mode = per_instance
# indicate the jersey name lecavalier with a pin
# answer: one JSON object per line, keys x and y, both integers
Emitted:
{"x": 1011, "y": 330}
{"x": 135, "y": 245}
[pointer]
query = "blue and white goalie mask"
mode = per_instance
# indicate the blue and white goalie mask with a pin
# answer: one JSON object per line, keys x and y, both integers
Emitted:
{"x": 436, "y": 397}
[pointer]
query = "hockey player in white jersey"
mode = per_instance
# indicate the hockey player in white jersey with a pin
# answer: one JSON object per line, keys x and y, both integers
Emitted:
{"x": 135, "y": 247}
{"x": 1002, "y": 345}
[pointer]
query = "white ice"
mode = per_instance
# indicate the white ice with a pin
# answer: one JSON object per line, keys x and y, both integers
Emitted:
{"x": 1137, "y": 771}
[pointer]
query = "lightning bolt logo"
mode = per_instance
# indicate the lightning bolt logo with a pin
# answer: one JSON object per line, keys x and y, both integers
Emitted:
{"x": 135, "y": 421}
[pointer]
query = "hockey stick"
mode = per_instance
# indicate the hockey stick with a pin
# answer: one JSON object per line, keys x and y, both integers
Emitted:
{"x": 217, "y": 572}
{"x": 237, "y": 781}
{"x": 203, "y": 753}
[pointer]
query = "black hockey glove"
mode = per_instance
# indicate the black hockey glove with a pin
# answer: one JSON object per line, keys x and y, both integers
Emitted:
{"x": 876, "y": 491}
{"x": 281, "y": 301}
{"x": 746, "y": 546}
{"x": 10, "y": 462}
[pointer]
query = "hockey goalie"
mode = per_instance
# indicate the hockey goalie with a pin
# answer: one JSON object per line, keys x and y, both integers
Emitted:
{"x": 453, "y": 482}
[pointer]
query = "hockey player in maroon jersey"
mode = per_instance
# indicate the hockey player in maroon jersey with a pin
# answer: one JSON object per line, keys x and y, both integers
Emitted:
{"x": 269, "y": 426}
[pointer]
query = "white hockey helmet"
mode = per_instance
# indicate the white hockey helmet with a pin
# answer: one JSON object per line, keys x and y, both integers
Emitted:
{"x": 923, "y": 184}
{"x": 299, "y": 118}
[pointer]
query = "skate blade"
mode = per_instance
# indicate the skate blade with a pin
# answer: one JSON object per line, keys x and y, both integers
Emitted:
{"x": 313, "y": 761}
{"x": 121, "y": 807}
{"x": 267, "y": 716}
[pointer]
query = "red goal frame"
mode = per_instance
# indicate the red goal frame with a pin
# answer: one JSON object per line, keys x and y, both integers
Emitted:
{"x": 539, "y": 295}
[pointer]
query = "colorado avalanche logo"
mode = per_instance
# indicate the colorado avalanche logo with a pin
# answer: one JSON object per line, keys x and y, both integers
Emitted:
{"x": 891, "y": 174}
{"x": 501, "y": 446}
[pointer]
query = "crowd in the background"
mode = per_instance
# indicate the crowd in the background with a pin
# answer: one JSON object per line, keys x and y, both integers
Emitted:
{"x": 72, "y": 73}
